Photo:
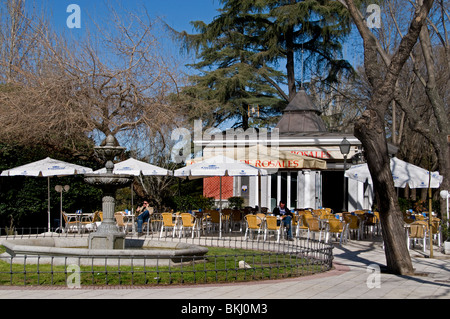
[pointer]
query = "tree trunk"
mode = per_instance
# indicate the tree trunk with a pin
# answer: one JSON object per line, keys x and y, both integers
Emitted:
{"x": 369, "y": 129}
{"x": 290, "y": 63}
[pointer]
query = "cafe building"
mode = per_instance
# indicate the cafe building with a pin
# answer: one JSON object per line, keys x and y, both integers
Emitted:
{"x": 305, "y": 163}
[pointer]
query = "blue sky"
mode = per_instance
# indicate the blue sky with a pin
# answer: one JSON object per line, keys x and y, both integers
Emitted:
{"x": 178, "y": 13}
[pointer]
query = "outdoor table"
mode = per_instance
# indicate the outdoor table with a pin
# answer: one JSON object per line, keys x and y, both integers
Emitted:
{"x": 79, "y": 218}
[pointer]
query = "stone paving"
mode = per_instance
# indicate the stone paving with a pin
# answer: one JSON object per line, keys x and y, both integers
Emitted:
{"x": 355, "y": 275}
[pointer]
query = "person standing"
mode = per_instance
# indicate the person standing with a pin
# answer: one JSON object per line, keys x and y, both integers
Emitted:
{"x": 286, "y": 217}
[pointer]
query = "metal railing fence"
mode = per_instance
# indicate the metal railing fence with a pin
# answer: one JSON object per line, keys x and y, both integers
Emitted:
{"x": 231, "y": 258}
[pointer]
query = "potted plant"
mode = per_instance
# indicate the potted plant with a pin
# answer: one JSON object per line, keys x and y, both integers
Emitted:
{"x": 445, "y": 236}
{"x": 236, "y": 202}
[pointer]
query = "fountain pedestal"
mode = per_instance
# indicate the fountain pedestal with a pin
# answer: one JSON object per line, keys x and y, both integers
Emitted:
{"x": 108, "y": 235}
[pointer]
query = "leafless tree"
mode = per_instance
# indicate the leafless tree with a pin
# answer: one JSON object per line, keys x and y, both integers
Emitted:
{"x": 67, "y": 93}
{"x": 370, "y": 129}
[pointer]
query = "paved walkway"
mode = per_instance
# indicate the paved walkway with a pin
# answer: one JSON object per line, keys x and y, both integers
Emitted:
{"x": 354, "y": 276}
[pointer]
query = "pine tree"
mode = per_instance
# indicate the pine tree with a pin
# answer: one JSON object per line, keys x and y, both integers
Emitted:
{"x": 239, "y": 50}
{"x": 230, "y": 79}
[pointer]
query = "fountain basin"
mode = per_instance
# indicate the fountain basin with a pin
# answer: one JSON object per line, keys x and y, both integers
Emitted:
{"x": 65, "y": 251}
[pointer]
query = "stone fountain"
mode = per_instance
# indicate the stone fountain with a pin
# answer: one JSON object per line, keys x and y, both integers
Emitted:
{"x": 107, "y": 241}
{"x": 108, "y": 235}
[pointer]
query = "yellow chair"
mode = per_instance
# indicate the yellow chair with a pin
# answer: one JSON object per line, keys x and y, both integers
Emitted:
{"x": 98, "y": 216}
{"x": 121, "y": 223}
{"x": 419, "y": 217}
{"x": 189, "y": 222}
{"x": 417, "y": 230}
{"x": 261, "y": 218}
{"x": 253, "y": 224}
{"x": 336, "y": 227}
{"x": 70, "y": 224}
{"x": 226, "y": 218}
{"x": 167, "y": 222}
{"x": 214, "y": 219}
{"x": 271, "y": 226}
{"x": 353, "y": 225}
{"x": 313, "y": 227}
{"x": 436, "y": 230}
{"x": 153, "y": 223}
{"x": 297, "y": 224}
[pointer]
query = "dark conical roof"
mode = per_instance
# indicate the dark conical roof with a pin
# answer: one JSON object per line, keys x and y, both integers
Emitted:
{"x": 301, "y": 115}
{"x": 301, "y": 102}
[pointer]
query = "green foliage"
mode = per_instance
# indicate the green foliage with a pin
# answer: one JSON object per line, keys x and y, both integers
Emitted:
{"x": 189, "y": 202}
{"x": 236, "y": 202}
{"x": 23, "y": 200}
{"x": 240, "y": 50}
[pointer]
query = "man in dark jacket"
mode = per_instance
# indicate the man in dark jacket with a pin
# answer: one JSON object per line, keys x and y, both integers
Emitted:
{"x": 286, "y": 217}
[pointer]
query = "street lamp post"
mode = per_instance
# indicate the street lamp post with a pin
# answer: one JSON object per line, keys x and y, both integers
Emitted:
{"x": 60, "y": 189}
{"x": 345, "y": 150}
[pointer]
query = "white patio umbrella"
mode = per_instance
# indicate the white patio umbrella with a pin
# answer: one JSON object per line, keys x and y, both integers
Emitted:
{"x": 218, "y": 166}
{"x": 47, "y": 167}
{"x": 135, "y": 167}
{"x": 403, "y": 173}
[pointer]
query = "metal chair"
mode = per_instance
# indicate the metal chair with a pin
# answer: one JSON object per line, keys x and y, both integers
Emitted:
{"x": 70, "y": 224}
{"x": 313, "y": 224}
{"x": 188, "y": 222}
{"x": 417, "y": 230}
{"x": 436, "y": 230}
{"x": 353, "y": 225}
{"x": 167, "y": 223}
{"x": 372, "y": 223}
{"x": 336, "y": 227}
{"x": 121, "y": 223}
{"x": 271, "y": 226}
{"x": 253, "y": 225}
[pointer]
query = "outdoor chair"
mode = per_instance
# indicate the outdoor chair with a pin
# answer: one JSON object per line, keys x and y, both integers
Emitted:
{"x": 88, "y": 222}
{"x": 121, "y": 223}
{"x": 226, "y": 218}
{"x": 297, "y": 224}
{"x": 372, "y": 223}
{"x": 154, "y": 222}
{"x": 417, "y": 231}
{"x": 236, "y": 219}
{"x": 313, "y": 225}
{"x": 188, "y": 222}
{"x": 200, "y": 218}
{"x": 271, "y": 226}
{"x": 261, "y": 218}
{"x": 167, "y": 223}
{"x": 337, "y": 228}
{"x": 70, "y": 224}
{"x": 436, "y": 230}
{"x": 253, "y": 225}
{"x": 215, "y": 220}
{"x": 353, "y": 225}
{"x": 98, "y": 216}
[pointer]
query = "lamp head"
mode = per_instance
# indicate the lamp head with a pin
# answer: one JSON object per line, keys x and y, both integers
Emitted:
{"x": 345, "y": 146}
